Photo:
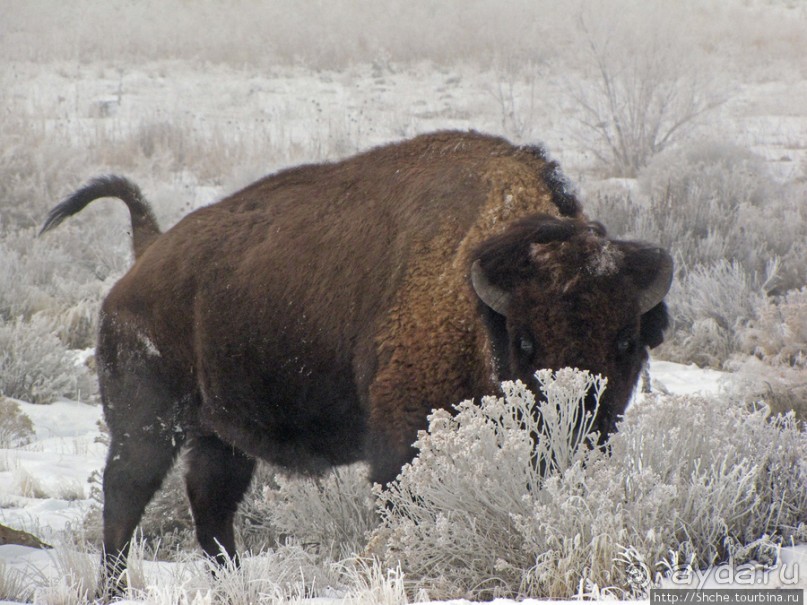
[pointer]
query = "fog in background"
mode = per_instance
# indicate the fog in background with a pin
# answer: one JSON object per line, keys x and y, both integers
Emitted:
{"x": 753, "y": 35}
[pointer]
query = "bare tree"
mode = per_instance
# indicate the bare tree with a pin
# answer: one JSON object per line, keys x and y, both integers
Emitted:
{"x": 644, "y": 89}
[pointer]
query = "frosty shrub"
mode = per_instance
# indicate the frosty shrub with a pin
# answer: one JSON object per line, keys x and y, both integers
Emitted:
{"x": 332, "y": 515}
{"x": 16, "y": 429}
{"x": 778, "y": 333}
{"x": 686, "y": 479}
{"x": 35, "y": 366}
{"x": 711, "y": 306}
{"x": 737, "y": 474}
{"x": 782, "y": 388}
{"x": 62, "y": 278}
{"x": 711, "y": 200}
{"x": 452, "y": 519}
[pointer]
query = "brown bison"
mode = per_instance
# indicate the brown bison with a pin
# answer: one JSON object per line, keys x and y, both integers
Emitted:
{"x": 316, "y": 317}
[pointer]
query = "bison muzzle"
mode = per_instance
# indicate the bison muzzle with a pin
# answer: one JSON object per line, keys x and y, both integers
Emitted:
{"x": 316, "y": 317}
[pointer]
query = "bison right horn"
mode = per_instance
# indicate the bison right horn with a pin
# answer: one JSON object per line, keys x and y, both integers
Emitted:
{"x": 493, "y": 296}
{"x": 657, "y": 289}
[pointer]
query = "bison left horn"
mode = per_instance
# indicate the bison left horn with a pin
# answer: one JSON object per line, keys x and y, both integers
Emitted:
{"x": 657, "y": 289}
{"x": 493, "y": 296}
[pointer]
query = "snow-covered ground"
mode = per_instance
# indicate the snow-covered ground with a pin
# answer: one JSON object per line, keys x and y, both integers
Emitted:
{"x": 66, "y": 451}
{"x": 44, "y": 484}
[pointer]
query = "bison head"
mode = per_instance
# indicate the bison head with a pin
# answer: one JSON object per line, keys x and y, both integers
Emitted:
{"x": 557, "y": 292}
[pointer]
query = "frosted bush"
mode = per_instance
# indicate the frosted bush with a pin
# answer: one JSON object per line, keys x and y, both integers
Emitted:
{"x": 711, "y": 306}
{"x": 685, "y": 478}
{"x": 709, "y": 202}
{"x": 780, "y": 387}
{"x": 35, "y": 366}
{"x": 451, "y": 519}
{"x": 63, "y": 278}
{"x": 778, "y": 333}
{"x": 727, "y": 174}
{"x": 332, "y": 515}
{"x": 738, "y": 474}
{"x": 712, "y": 201}
{"x": 16, "y": 429}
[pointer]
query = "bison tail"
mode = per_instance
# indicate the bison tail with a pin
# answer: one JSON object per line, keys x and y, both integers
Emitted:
{"x": 144, "y": 225}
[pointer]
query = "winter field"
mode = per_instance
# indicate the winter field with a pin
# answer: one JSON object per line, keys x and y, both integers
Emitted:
{"x": 684, "y": 125}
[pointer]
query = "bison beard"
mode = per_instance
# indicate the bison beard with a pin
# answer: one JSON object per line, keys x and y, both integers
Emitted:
{"x": 316, "y": 317}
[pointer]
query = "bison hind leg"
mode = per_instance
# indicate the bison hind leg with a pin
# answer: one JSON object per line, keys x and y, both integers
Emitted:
{"x": 135, "y": 469}
{"x": 217, "y": 477}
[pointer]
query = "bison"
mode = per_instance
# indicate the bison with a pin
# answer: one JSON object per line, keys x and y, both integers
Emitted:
{"x": 316, "y": 317}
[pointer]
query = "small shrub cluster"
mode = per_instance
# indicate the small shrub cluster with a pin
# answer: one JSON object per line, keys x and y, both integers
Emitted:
{"x": 35, "y": 365}
{"x": 332, "y": 515}
{"x": 687, "y": 479}
{"x": 783, "y": 388}
{"x": 778, "y": 332}
{"x": 16, "y": 429}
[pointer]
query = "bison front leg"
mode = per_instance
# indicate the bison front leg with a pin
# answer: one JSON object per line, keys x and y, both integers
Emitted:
{"x": 217, "y": 477}
{"x": 419, "y": 375}
{"x": 397, "y": 413}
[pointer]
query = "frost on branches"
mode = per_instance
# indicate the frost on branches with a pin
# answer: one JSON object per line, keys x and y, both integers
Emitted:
{"x": 506, "y": 499}
{"x": 455, "y": 513}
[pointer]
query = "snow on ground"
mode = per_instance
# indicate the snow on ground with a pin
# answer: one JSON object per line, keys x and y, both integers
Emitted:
{"x": 44, "y": 484}
{"x": 66, "y": 452}
{"x": 678, "y": 379}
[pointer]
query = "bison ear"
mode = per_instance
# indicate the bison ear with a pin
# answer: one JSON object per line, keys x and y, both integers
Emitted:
{"x": 652, "y": 270}
{"x": 492, "y": 295}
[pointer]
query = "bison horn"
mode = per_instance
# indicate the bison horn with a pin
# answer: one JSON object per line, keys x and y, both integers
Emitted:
{"x": 657, "y": 289}
{"x": 493, "y": 296}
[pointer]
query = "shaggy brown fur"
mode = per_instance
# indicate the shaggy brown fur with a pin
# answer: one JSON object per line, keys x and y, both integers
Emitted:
{"x": 316, "y": 317}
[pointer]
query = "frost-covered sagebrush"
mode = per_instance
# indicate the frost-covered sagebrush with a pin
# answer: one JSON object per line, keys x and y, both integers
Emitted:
{"x": 16, "y": 429}
{"x": 685, "y": 479}
{"x": 331, "y": 515}
{"x": 778, "y": 333}
{"x": 35, "y": 366}
{"x": 452, "y": 517}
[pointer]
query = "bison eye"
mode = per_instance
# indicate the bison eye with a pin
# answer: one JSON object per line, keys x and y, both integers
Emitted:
{"x": 526, "y": 346}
